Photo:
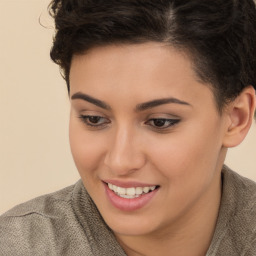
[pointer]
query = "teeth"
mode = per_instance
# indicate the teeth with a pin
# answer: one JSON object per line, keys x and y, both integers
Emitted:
{"x": 130, "y": 192}
{"x": 120, "y": 191}
{"x": 127, "y": 196}
{"x": 138, "y": 191}
{"x": 114, "y": 188}
{"x": 146, "y": 189}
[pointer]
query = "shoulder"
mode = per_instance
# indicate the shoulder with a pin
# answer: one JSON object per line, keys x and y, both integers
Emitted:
{"x": 242, "y": 225}
{"x": 238, "y": 180}
{"x": 235, "y": 232}
{"x": 43, "y": 205}
{"x": 40, "y": 224}
{"x": 239, "y": 193}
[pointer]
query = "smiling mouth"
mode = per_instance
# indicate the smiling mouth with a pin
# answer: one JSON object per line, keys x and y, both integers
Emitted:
{"x": 132, "y": 192}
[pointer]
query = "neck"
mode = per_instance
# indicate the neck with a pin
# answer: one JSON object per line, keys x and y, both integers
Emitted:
{"x": 190, "y": 235}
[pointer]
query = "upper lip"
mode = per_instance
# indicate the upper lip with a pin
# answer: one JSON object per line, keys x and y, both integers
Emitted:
{"x": 128, "y": 184}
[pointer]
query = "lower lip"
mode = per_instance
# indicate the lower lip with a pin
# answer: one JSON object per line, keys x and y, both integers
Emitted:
{"x": 126, "y": 204}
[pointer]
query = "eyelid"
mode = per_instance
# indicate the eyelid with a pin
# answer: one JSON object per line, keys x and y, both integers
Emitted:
{"x": 172, "y": 122}
{"x": 84, "y": 118}
{"x": 161, "y": 115}
{"x": 151, "y": 121}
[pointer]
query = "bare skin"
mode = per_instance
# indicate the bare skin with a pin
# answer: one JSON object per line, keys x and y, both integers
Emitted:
{"x": 178, "y": 143}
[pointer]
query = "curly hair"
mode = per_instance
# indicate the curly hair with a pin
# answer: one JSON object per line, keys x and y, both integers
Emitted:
{"x": 218, "y": 35}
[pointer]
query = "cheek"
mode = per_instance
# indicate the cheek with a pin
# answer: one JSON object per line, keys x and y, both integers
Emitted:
{"x": 187, "y": 163}
{"x": 187, "y": 155}
{"x": 86, "y": 148}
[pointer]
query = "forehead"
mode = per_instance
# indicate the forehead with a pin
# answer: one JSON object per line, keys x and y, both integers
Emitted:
{"x": 142, "y": 70}
{"x": 137, "y": 59}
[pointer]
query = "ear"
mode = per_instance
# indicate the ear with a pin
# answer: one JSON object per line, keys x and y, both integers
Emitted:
{"x": 240, "y": 113}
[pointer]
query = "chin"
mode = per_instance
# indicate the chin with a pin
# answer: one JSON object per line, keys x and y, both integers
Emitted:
{"x": 132, "y": 225}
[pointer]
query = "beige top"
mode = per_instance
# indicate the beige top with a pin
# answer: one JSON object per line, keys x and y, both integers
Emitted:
{"x": 67, "y": 223}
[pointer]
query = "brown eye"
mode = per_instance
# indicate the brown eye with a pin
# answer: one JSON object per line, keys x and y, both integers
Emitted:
{"x": 162, "y": 123}
{"x": 94, "y": 121}
{"x": 159, "y": 122}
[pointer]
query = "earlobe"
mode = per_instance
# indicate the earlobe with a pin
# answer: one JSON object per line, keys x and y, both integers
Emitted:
{"x": 240, "y": 113}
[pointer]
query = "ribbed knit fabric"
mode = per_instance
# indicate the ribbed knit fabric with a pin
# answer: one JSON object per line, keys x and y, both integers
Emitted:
{"x": 67, "y": 223}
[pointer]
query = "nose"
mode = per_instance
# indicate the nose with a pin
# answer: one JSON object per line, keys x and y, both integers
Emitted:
{"x": 125, "y": 152}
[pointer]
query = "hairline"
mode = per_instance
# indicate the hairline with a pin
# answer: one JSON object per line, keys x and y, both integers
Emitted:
{"x": 190, "y": 53}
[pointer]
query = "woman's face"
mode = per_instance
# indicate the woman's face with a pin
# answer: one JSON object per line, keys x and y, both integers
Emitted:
{"x": 143, "y": 125}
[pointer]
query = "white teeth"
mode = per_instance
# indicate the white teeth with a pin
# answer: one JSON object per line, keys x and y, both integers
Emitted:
{"x": 115, "y": 188}
{"x": 138, "y": 191}
{"x": 127, "y": 196}
{"x": 130, "y": 192}
{"x": 146, "y": 189}
{"x": 121, "y": 191}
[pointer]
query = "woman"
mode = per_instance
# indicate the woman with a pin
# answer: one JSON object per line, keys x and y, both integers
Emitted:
{"x": 159, "y": 91}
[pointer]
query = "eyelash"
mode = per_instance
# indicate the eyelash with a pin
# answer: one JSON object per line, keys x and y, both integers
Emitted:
{"x": 171, "y": 122}
{"x": 85, "y": 119}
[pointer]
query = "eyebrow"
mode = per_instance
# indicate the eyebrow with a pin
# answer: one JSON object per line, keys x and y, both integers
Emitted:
{"x": 90, "y": 99}
{"x": 158, "y": 102}
{"x": 140, "y": 107}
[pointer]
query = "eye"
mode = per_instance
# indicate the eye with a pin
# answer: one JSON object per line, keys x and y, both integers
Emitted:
{"x": 94, "y": 121}
{"x": 162, "y": 123}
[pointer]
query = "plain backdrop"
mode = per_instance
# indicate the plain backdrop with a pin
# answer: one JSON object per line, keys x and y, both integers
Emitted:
{"x": 34, "y": 109}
